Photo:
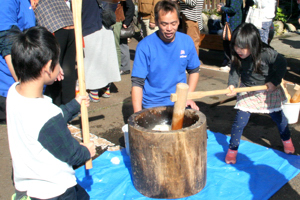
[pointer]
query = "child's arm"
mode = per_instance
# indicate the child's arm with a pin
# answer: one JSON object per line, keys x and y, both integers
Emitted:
{"x": 279, "y": 67}
{"x": 234, "y": 76}
{"x": 73, "y": 107}
{"x": 57, "y": 139}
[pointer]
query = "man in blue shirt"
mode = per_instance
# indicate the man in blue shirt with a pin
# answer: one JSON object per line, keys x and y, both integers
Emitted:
{"x": 161, "y": 61}
{"x": 15, "y": 14}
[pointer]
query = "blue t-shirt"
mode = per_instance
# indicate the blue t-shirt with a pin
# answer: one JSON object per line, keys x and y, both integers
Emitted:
{"x": 163, "y": 65}
{"x": 19, "y": 13}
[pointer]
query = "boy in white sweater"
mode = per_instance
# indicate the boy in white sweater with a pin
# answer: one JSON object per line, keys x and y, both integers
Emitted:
{"x": 42, "y": 148}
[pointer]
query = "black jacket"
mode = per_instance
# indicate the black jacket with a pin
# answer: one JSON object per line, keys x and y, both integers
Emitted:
{"x": 273, "y": 67}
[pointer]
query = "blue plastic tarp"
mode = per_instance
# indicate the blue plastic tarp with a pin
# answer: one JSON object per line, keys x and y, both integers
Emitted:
{"x": 258, "y": 174}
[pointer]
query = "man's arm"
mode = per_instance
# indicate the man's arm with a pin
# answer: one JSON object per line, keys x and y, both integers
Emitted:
{"x": 192, "y": 82}
{"x": 5, "y": 48}
{"x": 137, "y": 96}
{"x": 10, "y": 67}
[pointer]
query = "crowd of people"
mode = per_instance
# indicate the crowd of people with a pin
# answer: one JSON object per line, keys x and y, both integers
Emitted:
{"x": 38, "y": 76}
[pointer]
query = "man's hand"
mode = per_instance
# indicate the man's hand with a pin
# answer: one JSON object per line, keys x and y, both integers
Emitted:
{"x": 124, "y": 25}
{"x": 232, "y": 92}
{"x": 192, "y": 104}
{"x": 61, "y": 75}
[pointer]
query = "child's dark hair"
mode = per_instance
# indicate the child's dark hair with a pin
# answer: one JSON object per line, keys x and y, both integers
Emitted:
{"x": 166, "y": 6}
{"x": 31, "y": 50}
{"x": 247, "y": 36}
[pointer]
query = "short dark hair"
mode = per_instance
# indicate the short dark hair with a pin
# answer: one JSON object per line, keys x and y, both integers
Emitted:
{"x": 246, "y": 35}
{"x": 166, "y": 6}
{"x": 31, "y": 50}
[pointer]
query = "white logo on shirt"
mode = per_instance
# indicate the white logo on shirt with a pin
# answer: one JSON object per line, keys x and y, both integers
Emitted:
{"x": 182, "y": 54}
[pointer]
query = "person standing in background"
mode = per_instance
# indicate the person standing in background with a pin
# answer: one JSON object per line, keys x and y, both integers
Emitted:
{"x": 100, "y": 61}
{"x": 15, "y": 14}
{"x": 233, "y": 12}
{"x": 146, "y": 14}
{"x": 191, "y": 13}
{"x": 124, "y": 15}
{"x": 56, "y": 16}
{"x": 268, "y": 7}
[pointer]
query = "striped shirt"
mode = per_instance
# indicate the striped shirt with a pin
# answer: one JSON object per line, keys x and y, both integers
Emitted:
{"x": 53, "y": 14}
{"x": 192, "y": 9}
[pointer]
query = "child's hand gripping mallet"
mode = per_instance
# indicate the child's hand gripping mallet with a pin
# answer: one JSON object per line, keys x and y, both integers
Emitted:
{"x": 182, "y": 94}
{"x": 76, "y": 8}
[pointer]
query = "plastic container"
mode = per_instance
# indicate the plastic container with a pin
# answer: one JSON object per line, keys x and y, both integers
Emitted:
{"x": 126, "y": 138}
{"x": 291, "y": 111}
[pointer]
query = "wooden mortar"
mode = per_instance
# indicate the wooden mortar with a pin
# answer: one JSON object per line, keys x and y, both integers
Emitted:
{"x": 168, "y": 164}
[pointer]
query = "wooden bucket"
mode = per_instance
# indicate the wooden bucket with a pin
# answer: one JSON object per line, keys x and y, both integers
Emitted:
{"x": 168, "y": 164}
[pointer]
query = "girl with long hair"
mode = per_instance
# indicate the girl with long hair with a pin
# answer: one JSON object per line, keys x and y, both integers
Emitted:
{"x": 255, "y": 63}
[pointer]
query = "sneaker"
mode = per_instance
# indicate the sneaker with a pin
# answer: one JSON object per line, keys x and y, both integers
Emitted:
{"x": 225, "y": 68}
{"x": 124, "y": 72}
{"x": 106, "y": 94}
{"x": 231, "y": 156}
{"x": 94, "y": 97}
{"x": 288, "y": 146}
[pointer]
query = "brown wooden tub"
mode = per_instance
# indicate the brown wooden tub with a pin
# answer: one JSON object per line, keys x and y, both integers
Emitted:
{"x": 168, "y": 164}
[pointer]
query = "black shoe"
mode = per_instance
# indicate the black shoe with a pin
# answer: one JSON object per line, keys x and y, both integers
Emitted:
{"x": 125, "y": 72}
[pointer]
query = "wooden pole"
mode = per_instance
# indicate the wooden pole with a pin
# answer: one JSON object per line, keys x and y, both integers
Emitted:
{"x": 198, "y": 95}
{"x": 77, "y": 7}
{"x": 179, "y": 106}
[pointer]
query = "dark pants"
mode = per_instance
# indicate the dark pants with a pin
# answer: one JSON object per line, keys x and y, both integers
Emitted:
{"x": 2, "y": 108}
{"x": 241, "y": 120}
{"x": 125, "y": 55}
{"x": 73, "y": 193}
{"x": 227, "y": 52}
{"x": 63, "y": 91}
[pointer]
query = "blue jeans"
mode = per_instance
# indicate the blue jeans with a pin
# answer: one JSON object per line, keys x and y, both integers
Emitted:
{"x": 264, "y": 31}
{"x": 241, "y": 120}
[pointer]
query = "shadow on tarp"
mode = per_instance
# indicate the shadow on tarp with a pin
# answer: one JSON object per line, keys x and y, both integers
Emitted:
{"x": 258, "y": 174}
{"x": 87, "y": 180}
{"x": 253, "y": 169}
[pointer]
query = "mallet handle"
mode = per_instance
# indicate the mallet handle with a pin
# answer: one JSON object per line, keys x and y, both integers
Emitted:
{"x": 179, "y": 106}
{"x": 77, "y": 7}
{"x": 198, "y": 95}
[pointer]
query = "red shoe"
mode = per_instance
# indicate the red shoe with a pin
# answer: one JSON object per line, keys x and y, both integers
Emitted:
{"x": 288, "y": 146}
{"x": 231, "y": 156}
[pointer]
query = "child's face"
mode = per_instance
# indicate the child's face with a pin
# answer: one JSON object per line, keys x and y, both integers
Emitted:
{"x": 243, "y": 53}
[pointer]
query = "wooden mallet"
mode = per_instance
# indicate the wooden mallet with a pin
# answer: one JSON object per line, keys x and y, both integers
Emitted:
{"x": 76, "y": 8}
{"x": 179, "y": 106}
{"x": 182, "y": 94}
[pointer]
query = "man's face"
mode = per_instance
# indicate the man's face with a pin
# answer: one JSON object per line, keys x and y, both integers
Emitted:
{"x": 168, "y": 24}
